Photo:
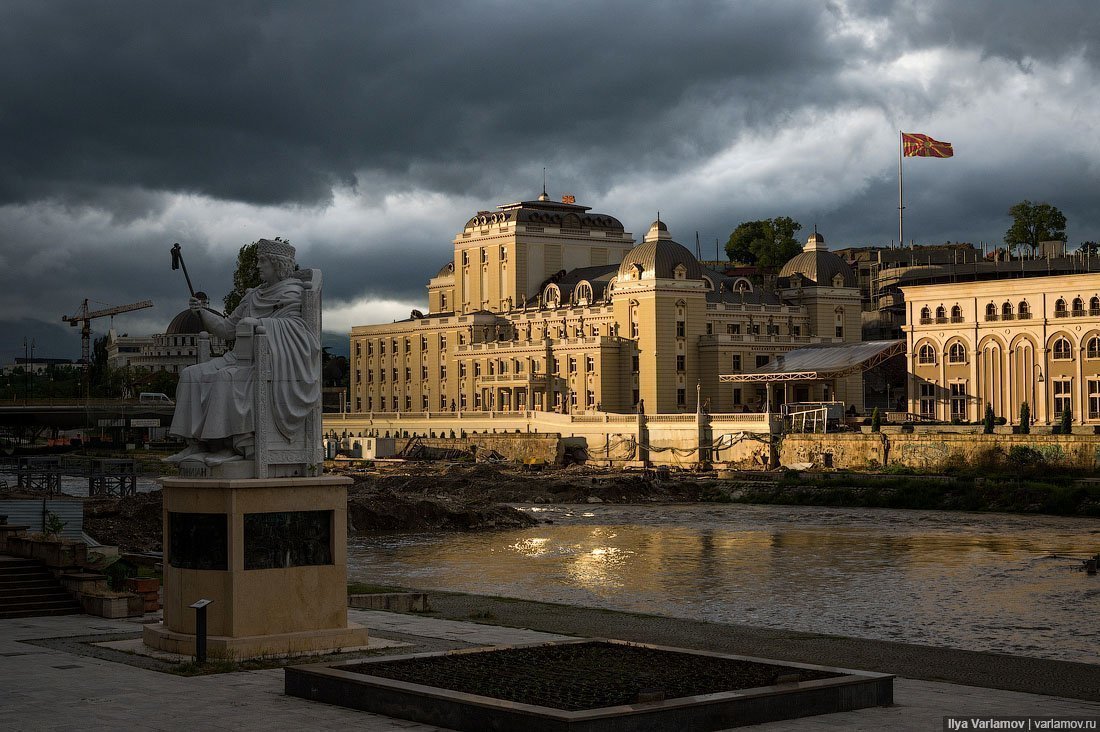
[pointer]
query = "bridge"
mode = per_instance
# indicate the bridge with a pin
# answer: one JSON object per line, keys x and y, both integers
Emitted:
{"x": 67, "y": 414}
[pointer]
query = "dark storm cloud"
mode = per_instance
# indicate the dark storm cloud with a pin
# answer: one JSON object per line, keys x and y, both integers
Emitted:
{"x": 368, "y": 132}
{"x": 274, "y": 103}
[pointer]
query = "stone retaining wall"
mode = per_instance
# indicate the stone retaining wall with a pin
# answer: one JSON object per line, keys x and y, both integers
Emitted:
{"x": 931, "y": 451}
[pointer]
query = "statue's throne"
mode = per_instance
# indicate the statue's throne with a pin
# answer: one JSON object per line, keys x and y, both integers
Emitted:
{"x": 275, "y": 455}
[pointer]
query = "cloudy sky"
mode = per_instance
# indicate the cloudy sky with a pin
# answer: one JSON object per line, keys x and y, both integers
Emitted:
{"x": 368, "y": 132}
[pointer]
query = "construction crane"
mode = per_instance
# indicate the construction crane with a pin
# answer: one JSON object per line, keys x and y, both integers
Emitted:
{"x": 85, "y": 317}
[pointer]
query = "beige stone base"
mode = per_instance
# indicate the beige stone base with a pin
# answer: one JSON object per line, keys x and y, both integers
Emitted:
{"x": 282, "y": 644}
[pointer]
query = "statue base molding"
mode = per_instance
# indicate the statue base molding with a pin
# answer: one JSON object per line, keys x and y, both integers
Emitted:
{"x": 271, "y": 556}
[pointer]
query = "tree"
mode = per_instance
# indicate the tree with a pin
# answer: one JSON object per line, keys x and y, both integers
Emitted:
{"x": 765, "y": 243}
{"x": 988, "y": 420}
{"x": 244, "y": 277}
{"x": 876, "y": 421}
{"x": 1089, "y": 248}
{"x": 1033, "y": 223}
{"x": 1065, "y": 427}
{"x": 1025, "y": 419}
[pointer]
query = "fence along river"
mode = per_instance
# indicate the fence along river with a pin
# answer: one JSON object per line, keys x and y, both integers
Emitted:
{"x": 989, "y": 582}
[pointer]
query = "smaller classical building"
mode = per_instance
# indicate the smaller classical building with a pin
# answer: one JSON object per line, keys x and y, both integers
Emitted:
{"x": 173, "y": 350}
{"x": 1002, "y": 343}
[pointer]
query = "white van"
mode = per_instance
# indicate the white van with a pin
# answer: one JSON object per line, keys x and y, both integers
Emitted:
{"x": 154, "y": 397}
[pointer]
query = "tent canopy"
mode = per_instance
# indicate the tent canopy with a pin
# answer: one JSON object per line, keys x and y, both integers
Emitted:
{"x": 821, "y": 362}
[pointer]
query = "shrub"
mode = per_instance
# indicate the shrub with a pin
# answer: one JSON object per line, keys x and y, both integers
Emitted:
{"x": 876, "y": 421}
{"x": 1022, "y": 456}
{"x": 1025, "y": 419}
{"x": 987, "y": 423}
{"x": 1065, "y": 427}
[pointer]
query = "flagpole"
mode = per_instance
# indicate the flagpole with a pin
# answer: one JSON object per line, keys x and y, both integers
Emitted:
{"x": 901, "y": 205}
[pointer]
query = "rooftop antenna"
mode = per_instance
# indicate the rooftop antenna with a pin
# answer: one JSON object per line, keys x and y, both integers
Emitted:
{"x": 698, "y": 251}
{"x": 544, "y": 196}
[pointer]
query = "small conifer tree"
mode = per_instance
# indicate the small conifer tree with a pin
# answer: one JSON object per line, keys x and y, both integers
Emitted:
{"x": 987, "y": 421}
{"x": 876, "y": 421}
{"x": 1025, "y": 419}
{"x": 1065, "y": 427}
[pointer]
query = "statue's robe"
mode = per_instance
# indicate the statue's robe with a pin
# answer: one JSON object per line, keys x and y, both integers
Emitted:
{"x": 214, "y": 400}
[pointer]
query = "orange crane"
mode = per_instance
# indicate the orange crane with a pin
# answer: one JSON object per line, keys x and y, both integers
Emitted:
{"x": 85, "y": 317}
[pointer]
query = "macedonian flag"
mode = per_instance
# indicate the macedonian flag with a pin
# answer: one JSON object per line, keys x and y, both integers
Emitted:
{"x": 923, "y": 146}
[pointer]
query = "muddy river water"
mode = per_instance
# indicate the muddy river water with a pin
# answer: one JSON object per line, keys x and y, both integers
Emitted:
{"x": 990, "y": 582}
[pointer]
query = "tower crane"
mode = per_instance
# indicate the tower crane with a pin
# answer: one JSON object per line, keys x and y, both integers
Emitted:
{"x": 84, "y": 317}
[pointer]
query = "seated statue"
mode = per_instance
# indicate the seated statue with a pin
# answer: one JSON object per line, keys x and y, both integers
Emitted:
{"x": 215, "y": 400}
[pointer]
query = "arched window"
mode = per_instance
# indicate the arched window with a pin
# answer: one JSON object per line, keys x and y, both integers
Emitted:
{"x": 583, "y": 296}
{"x": 926, "y": 354}
{"x": 1062, "y": 350}
{"x": 1078, "y": 307}
{"x": 956, "y": 314}
{"x": 1094, "y": 305}
{"x": 1060, "y": 308}
{"x": 941, "y": 314}
{"x": 680, "y": 272}
{"x": 925, "y": 315}
{"x": 956, "y": 353}
{"x": 1092, "y": 349}
{"x": 990, "y": 312}
{"x": 1023, "y": 310}
{"x": 1006, "y": 311}
{"x": 551, "y": 296}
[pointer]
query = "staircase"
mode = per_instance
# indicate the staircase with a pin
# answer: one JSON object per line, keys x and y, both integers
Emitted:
{"x": 27, "y": 589}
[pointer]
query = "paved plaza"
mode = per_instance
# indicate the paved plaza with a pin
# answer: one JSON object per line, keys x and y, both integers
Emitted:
{"x": 53, "y": 687}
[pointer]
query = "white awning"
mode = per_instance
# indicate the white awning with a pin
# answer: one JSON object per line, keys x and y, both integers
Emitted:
{"x": 818, "y": 363}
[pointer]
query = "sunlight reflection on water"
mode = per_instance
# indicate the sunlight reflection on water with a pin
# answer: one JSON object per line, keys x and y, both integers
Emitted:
{"x": 993, "y": 582}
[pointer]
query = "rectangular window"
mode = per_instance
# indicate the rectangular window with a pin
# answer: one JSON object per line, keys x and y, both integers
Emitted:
{"x": 733, "y": 328}
{"x": 557, "y": 365}
{"x": 359, "y": 403}
{"x": 680, "y": 363}
{"x": 382, "y": 376}
{"x": 635, "y": 396}
{"x": 358, "y": 349}
{"x": 423, "y": 343}
{"x": 423, "y": 373}
{"x": 590, "y": 399}
{"x": 681, "y": 397}
{"x": 358, "y": 376}
{"x": 443, "y": 343}
{"x": 461, "y": 370}
{"x": 737, "y": 396}
{"x": 634, "y": 330}
{"x": 424, "y": 402}
{"x": 736, "y": 362}
{"x": 408, "y": 403}
{"x": 461, "y": 401}
{"x": 1094, "y": 399}
{"x": 796, "y": 330}
{"x": 408, "y": 374}
{"x": 762, "y": 361}
{"x": 589, "y": 364}
{"x": 680, "y": 328}
{"x": 443, "y": 372}
{"x": 958, "y": 401}
{"x": 572, "y": 365}
{"x": 370, "y": 348}
{"x": 840, "y": 331}
{"x": 1063, "y": 398}
{"x": 382, "y": 348}
{"x": 634, "y": 363}
{"x": 927, "y": 403}
{"x": 394, "y": 402}
{"x": 443, "y": 402}
{"x": 477, "y": 368}
{"x": 710, "y": 328}
{"x": 395, "y": 374}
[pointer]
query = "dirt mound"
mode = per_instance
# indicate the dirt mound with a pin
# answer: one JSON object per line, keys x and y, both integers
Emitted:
{"x": 133, "y": 524}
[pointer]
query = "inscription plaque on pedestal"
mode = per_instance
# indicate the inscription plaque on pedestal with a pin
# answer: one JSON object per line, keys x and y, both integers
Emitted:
{"x": 198, "y": 540}
{"x": 283, "y": 539}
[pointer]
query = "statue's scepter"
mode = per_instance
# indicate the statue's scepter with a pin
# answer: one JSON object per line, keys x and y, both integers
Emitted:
{"x": 177, "y": 262}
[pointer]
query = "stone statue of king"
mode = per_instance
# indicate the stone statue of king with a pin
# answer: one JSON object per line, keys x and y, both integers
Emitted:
{"x": 215, "y": 400}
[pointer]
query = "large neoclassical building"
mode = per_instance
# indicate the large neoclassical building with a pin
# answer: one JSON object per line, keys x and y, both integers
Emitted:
{"x": 1003, "y": 343}
{"x": 547, "y": 306}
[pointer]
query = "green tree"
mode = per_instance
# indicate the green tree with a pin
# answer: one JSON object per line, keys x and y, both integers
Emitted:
{"x": 1025, "y": 419}
{"x": 1065, "y": 427}
{"x": 1089, "y": 248}
{"x": 244, "y": 277}
{"x": 1033, "y": 223}
{"x": 876, "y": 421}
{"x": 988, "y": 420}
{"x": 765, "y": 243}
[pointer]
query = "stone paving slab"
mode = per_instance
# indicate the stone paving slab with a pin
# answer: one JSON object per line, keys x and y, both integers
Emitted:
{"x": 49, "y": 689}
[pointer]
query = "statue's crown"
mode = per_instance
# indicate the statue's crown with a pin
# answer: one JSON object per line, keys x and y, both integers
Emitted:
{"x": 274, "y": 248}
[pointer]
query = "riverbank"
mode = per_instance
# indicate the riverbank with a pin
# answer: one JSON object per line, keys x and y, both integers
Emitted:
{"x": 972, "y": 668}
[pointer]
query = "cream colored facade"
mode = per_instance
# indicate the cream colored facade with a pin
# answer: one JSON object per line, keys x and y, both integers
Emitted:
{"x": 547, "y": 307}
{"x": 1005, "y": 342}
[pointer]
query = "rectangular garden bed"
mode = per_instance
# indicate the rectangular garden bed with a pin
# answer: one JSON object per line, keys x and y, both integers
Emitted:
{"x": 587, "y": 685}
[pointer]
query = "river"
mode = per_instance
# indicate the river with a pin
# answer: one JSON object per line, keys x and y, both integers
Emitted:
{"x": 989, "y": 582}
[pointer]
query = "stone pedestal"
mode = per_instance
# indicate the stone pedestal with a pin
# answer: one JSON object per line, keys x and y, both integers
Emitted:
{"x": 271, "y": 554}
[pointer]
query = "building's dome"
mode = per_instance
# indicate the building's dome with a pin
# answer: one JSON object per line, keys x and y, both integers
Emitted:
{"x": 447, "y": 270}
{"x": 187, "y": 322}
{"x": 659, "y": 254}
{"x": 818, "y": 265}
